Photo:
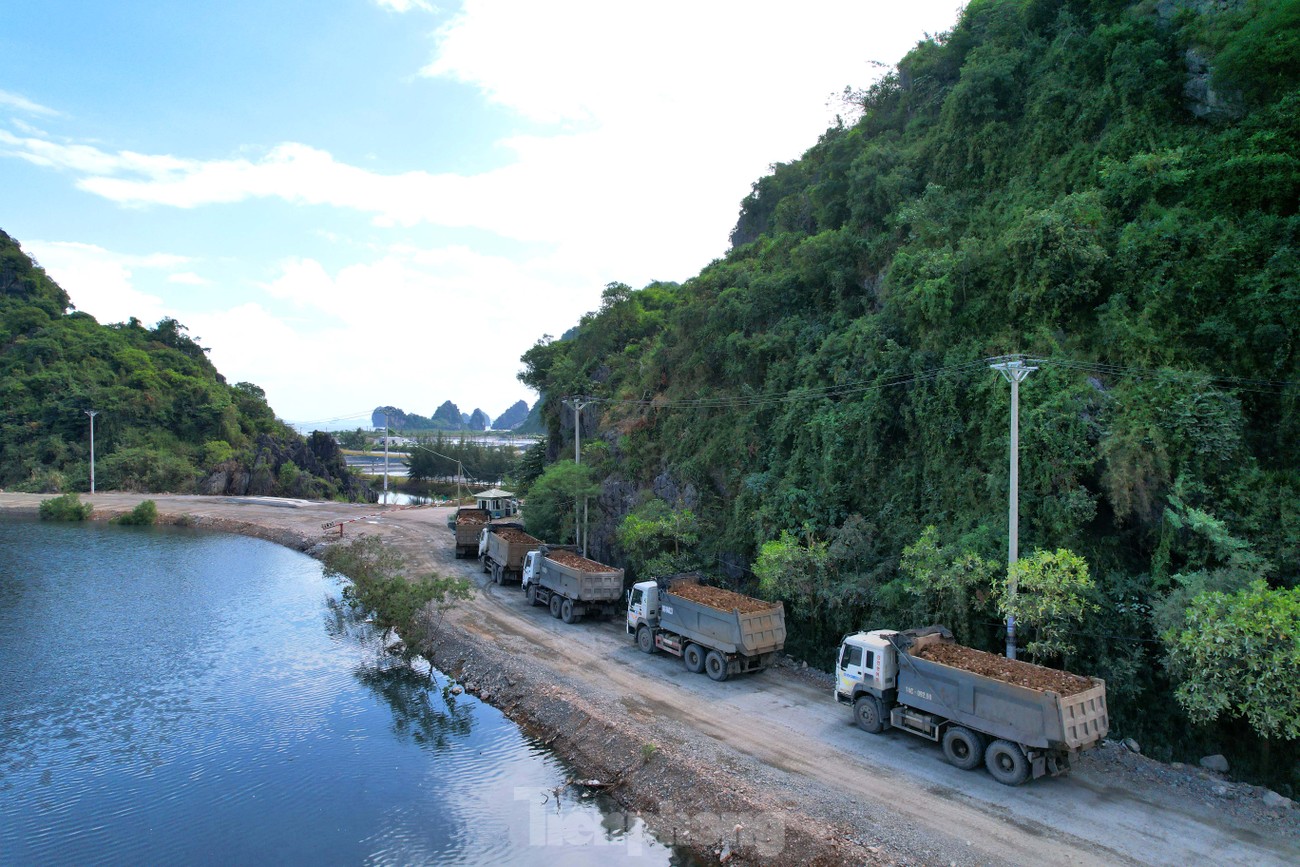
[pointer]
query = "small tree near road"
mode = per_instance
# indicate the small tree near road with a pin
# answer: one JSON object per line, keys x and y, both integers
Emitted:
{"x": 413, "y": 608}
{"x": 1050, "y": 596}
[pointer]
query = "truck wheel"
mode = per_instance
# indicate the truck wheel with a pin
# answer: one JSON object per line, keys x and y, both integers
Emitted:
{"x": 487, "y": 566}
{"x": 496, "y": 573}
{"x": 963, "y": 748}
{"x": 530, "y": 593}
{"x": 645, "y": 639}
{"x": 868, "y": 714}
{"x": 715, "y": 666}
{"x": 1007, "y": 763}
{"x": 693, "y": 657}
{"x": 555, "y": 605}
{"x": 566, "y": 612}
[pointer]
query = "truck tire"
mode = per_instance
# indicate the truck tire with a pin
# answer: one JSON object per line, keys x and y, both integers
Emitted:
{"x": 530, "y": 594}
{"x": 715, "y": 666}
{"x": 566, "y": 612}
{"x": 645, "y": 639}
{"x": 963, "y": 748}
{"x": 868, "y": 714}
{"x": 555, "y": 605}
{"x": 693, "y": 658}
{"x": 1007, "y": 763}
{"x": 496, "y": 573}
{"x": 485, "y": 563}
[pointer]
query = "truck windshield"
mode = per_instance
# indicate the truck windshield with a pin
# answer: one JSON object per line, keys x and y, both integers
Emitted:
{"x": 637, "y": 596}
{"x": 850, "y": 656}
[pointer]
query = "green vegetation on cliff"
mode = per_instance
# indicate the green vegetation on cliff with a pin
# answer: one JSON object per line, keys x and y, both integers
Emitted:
{"x": 1111, "y": 187}
{"x": 167, "y": 420}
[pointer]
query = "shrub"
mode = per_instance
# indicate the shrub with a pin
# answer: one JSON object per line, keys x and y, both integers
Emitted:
{"x": 65, "y": 508}
{"x": 143, "y": 515}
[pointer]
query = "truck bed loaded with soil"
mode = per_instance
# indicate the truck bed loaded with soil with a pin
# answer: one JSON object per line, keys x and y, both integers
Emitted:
{"x": 1018, "y": 719}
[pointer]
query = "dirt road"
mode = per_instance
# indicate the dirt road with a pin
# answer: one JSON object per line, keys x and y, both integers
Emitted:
{"x": 782, "y": 729}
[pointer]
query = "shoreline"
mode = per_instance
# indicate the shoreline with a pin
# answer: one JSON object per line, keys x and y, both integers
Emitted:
{"x": 690, "y": 804}
{"x": 769, "y": 752}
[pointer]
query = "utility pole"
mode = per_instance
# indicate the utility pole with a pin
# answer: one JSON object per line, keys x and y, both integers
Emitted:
{"x": 385, "y": 457}
{"x": 1014, "y": 369}
{"x": 577, "y": 404}
{"x": 92, "y": 413}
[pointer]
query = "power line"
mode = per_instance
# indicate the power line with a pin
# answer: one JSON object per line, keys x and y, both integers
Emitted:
{"x": 859, "y": 387}
{"x": 759, "y": 399}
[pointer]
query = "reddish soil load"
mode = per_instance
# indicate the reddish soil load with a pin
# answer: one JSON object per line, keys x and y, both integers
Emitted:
{"x": 511, "y": 536}
{"x": 1006, "y": 670}
{"x": 716, "y": 597}
{"x": 577, "y": 561}
{"x": 475, "y": 517}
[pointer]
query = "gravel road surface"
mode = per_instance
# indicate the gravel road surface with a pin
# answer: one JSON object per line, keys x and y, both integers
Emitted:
{"x": 888, "y": 798}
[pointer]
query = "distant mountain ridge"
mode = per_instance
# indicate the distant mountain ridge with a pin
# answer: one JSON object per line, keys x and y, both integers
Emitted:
{"x": 448, "y": 417}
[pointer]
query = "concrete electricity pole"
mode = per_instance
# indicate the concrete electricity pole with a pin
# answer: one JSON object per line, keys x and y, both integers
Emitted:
{"x": 1015, "y": 371}
{"x": 385, "y": 457}
{"x": 92, "y": 413}
{"x": 577, "y": 404}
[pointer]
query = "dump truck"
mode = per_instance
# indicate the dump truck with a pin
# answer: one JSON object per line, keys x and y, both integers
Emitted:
{"x": 469, "y": 524}
{"x": 713, "y": 630}
{"x": 573, "y": 586}
{"x": 1018, "y": 719}
{"x": 502, "y": 550}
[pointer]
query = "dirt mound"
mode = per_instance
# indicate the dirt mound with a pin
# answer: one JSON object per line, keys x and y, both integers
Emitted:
{"x": 717, "y": 597}
{"x": 475, "y": 516}
{"x": 579, "y": 562}
{"x": 1006, "y": 670}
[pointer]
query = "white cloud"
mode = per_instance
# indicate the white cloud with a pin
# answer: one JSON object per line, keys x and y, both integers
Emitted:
{"x": 405, "y": 5}
{"x": 678, "y": 108}
{"x": 645, "y": 128}
{"x": 23, "y": 104}
{"x": 413, "y": 327}
{"x": 101, "y": 282}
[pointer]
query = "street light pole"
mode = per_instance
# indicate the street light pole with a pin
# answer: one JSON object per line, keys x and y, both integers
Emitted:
{"x": 1015, "y": 371}
{"x": 92, "y": 413}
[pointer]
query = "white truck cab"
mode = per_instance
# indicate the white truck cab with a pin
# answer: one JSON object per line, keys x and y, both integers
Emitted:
{"x": 642, "y": 605}
{"x": 482, "y": 543}
{"x": 531, "y": 559}
{"x": 867, "y": 662}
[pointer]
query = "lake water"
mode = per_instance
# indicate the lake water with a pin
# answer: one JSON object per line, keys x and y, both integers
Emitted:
{"x": 173, "y": 696}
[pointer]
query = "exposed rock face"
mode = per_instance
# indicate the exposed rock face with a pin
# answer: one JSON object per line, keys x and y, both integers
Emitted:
{"x": 396, "y": 418}
{"x": 317, "y": 456}
{"x": 448, "y": 415}
{"x": 513, "y": 417}
{"x": 478, "y": 420}
{"x": 667, "y": 489}
{"x": 1202, "y": 99}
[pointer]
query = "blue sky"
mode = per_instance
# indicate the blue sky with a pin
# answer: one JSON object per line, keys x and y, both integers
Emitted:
{"x": 365, "y": 202}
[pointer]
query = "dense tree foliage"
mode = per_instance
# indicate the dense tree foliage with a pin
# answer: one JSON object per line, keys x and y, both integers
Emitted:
{"x": 440, "y": 457}
{"x": 1112, "y": 188}
{"x": 167, "y": 420}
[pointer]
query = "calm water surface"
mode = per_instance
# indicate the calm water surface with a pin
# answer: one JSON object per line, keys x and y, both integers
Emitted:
{"x": 173, "y": 696}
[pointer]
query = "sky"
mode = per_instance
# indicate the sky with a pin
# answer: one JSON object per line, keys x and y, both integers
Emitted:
{"x": 356, "y": 203}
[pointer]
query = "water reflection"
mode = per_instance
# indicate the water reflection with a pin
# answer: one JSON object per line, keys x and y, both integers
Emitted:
{"x": 172, "y": 696}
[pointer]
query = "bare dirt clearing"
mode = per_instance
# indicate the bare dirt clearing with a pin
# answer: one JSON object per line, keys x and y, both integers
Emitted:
{"x": 772, "y": 745}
